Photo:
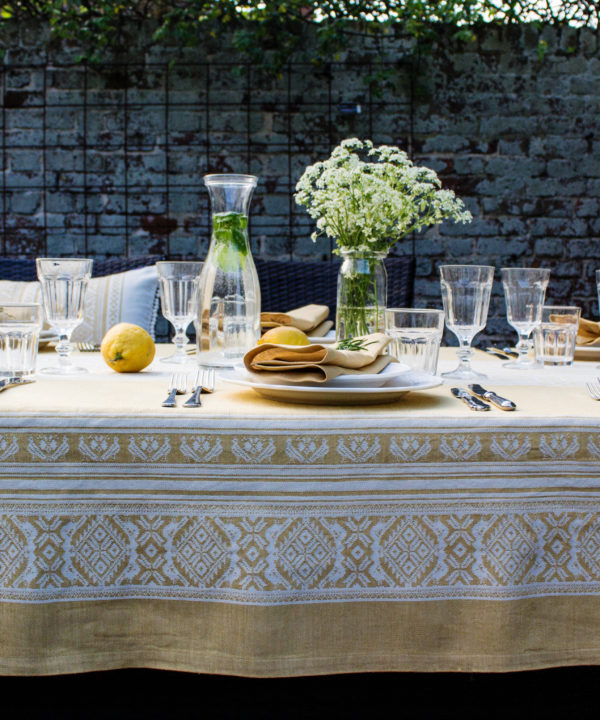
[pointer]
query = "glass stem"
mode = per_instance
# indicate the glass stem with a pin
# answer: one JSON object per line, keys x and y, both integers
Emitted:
{"x": 464, "y": 354}
{"x": 523, "y": 347}
{"x": 180, "y": 339}
{"x": 64, "y": 348}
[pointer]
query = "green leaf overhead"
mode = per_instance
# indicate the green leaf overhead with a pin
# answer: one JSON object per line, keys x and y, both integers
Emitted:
{"x": 279, "y": 27}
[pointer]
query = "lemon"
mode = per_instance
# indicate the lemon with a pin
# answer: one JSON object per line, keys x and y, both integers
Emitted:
{"x": 284, "y": 335}
{"x": 127, "y": 348}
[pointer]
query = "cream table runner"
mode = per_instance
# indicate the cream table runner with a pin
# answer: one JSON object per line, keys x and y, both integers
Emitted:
{"x": 256, "y": 538}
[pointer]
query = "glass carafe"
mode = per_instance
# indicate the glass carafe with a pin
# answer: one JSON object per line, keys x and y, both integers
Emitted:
{"x": 228, "y": 322}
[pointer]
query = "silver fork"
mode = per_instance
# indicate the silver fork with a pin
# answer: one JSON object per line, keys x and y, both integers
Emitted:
{"x": 177, "y": 386}
{"x": 593, "y": 388}
{"x": 204, "y": 383}
{"x": 87, "y": 347}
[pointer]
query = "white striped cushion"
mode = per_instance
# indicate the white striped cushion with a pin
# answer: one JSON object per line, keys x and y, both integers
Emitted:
{"x": 130, "y": 296}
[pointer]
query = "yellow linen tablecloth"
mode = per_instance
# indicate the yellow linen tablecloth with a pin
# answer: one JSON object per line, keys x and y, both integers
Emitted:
{"x": 257, "y": 538}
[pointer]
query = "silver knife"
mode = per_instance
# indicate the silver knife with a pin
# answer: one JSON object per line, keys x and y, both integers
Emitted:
{"x": 492, "y": 397}
{"x": 470, "y": 400}
{"x": 12, "y": 381}
{"x": 502, "y": 352}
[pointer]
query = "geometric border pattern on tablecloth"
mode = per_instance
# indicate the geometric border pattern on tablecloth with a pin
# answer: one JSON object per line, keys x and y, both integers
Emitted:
{"x": 273, "y": 553}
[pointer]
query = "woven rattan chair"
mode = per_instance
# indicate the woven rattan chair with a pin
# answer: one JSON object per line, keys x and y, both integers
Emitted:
{"x": 287, "y": 284}
{"x": 24, "y": 269}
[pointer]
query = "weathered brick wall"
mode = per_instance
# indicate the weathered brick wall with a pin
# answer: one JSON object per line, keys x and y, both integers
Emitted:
{"x": 110, "y": 160}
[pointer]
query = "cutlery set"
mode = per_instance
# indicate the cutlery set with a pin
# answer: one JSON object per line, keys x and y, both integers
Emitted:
{"x": 203, "y": 382}
{"x": 504, "y": 353}
{"x": 475, "y": 396}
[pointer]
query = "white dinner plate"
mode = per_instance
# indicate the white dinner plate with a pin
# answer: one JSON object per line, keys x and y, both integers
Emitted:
{"x": 329, "y": 339}
{"x": 366, "y": 380}
{"x": 587, "y": 352}
{"x": 392, "y": 391}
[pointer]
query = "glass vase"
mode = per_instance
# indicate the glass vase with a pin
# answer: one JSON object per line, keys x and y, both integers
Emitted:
{"x": 228, "y": 321}
{"x": 361, "y": 294}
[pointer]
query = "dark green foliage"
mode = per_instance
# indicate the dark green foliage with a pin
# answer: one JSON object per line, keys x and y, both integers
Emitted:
{"x": 277, "y": 28}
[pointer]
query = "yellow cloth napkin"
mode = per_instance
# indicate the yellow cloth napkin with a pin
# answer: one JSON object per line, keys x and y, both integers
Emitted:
{"x": 317, "y": 363}
{"x": 588, "y": 333}
{"x": 311, "y": 319}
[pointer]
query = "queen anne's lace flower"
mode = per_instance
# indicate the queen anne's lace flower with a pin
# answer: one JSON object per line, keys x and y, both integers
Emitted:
{"x": 369, "y": 204}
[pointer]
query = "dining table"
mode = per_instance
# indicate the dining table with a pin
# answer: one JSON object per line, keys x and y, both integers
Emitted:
{"x": 267, "y": 538}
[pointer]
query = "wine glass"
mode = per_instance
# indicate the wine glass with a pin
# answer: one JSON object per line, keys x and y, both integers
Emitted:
{"x": 466, "y": 293}
{"x": 64, "y": 282}
{"x": 524, "y": 291}
{"x": 178, "y": 283}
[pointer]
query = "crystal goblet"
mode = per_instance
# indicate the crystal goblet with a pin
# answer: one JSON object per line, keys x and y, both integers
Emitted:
{"x": 178, "y": 284}
{"x": 64, "y": 282}
{"x": 524, "y": 292}
{"x": 466, "y": 291}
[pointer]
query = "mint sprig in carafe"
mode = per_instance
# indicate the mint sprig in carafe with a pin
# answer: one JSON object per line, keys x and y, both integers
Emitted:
{"x": 228, "y": 322}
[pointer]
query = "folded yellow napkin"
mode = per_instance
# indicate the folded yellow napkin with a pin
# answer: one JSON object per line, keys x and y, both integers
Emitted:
{"x": 588, "y": 333}
{"x": 317, "y": 363}
{"x": 311, "y": 319}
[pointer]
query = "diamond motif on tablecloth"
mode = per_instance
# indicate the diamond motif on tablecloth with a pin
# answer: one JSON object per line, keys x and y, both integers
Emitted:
{"x": 556, "y": 563}
{"x": 357, "y": 554}
{"x": 13, "y": 555}
{"x": 407, "y": 548}
{"x": 459, "y": 557}
{"x": 100, "y": 550}
{"x": 588, "y": 547}
{"x": 508, "y": 549}
{"x": 201, "y": 552}
{"x": 151, "y": 539}
{"x": 251, "y": 535}
{"x": 49, "y": 559}
{"x": 304, "y": 553}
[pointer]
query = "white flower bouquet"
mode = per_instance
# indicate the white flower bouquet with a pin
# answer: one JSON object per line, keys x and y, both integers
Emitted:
{"x": 366, "y": 198}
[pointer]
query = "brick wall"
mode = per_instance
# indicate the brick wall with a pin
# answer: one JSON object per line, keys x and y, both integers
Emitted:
{"x": 105, "y": 161}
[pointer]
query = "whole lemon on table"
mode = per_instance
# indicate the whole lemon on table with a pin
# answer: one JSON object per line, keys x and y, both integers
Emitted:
{"x": 285, "y": 335}
{"x": 127, "y": 348}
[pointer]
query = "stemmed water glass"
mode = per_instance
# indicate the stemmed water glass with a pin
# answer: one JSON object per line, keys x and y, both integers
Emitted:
{"x": 524, "y": 291}
{"x": 178, "y": 284}
{"x": 64, "y": 282}
{"x": 466, "y": 293}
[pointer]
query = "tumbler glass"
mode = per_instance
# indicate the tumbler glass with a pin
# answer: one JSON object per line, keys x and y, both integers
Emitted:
{"x": 64, "y": 282}
{"x": 178, "y": 284}
{"x": 416, "y": 335}
{"x": 555, "y": 337}
{"x": 466, "y": 291}
{"x": 20, "y": 326}
{"x": 524, "y": 291}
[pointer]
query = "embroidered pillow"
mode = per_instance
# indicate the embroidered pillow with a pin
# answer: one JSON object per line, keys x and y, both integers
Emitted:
{"x": 130, "y": 296}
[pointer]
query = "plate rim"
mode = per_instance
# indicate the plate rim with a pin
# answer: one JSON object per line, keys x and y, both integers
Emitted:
{"x": 321, "y": 340}
{"x": 382, "y": 389}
